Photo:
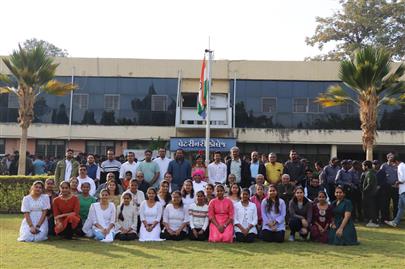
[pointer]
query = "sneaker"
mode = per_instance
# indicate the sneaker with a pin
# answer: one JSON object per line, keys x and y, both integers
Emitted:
{"x": 372, "y": 225}
{"x": 391, "y": 223}
{"x": 292, "y": 238}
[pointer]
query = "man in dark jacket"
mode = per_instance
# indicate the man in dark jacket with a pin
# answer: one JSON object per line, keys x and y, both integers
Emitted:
{"x": 295, "y": 169}
{"x": 240, "y": 168}
{"x": 369, "y": 194}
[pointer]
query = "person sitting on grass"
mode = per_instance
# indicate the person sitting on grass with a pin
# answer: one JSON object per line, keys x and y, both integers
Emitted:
{"x": 175, "y": 219}
{"x": 300, "y": 210}
{"x": 342, "y": 230}
{"x": 245, "y": 219}
{"x": 150, "y": 213}
{"x": 101, "y": 220}
{"x": 273, "y": 213}
{"x": 199, "y": 218}
{"x": 257, "y": 199}
{"x": 221, "y": 213}
{"x": 127, "y": 219}
{"x": 66, "y": 209}
{"x": 321, "y": 218}
{"x": 85, "y": 200}
{"x": 35, "y": 206}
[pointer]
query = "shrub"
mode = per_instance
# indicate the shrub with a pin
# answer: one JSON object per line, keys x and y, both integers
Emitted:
{"x": 13, "y": 189}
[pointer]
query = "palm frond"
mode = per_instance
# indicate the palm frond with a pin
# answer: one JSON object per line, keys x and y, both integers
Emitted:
{"x": 334, "y": 96}
{"x": 5, "y": 79}
{"x": 58, "y": 88}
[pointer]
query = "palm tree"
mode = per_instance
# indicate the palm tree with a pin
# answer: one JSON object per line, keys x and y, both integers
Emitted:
{"x": 32, "y": 73}
{"x": 372, "y": 80}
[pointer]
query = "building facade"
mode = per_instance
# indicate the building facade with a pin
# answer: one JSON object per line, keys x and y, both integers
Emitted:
{"x": 136, "y": 104}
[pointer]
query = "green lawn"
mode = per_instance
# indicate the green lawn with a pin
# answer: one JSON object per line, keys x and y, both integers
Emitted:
{"x": 379, "y": 248}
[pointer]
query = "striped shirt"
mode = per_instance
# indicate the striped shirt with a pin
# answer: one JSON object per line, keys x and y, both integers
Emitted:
{"x": 198, "y": 216}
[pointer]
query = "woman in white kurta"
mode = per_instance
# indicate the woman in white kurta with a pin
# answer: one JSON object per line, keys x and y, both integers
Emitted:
{"x": 34, "y": 226}
{"x": 245, "y": 219}
{"x": 127, "y": 219}
{"x": 150, "y": 213}
{"x": 187, "y": 194}
{"x": 175, "y": 219}
{"x": 100, "y": 222}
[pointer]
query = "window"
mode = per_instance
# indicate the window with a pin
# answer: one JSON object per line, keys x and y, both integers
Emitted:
{"x": 13, "y": 101}
{"x": 99, "y": 147}
{"x": 347, "y": 108}
{"x": 111, "y": 102}
{"x": 269, "y": 105}
{"x": 2, "y": 146}
{"x": 81, "y": 101}
{"x": 51, "y": 148}
{"x": 159, "y": 103}
{"x": 189, "y": 100}
{"x": 306, "y": 105}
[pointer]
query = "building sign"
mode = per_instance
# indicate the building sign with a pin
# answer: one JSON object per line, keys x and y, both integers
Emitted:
{"x": 198, "y": 143}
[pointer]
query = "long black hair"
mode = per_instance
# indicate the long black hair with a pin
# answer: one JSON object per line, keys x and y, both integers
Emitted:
{"x": 167, "y": 197}
{"x": 183, "y": 189}
{"x": 269, "y": 203}
{"x": 154, "y": 190}
{"x": 305, "y": 200}
{"x": 230, "y": 190}
{"x": 120, "y": 215}
{"x": 181, "y": 200}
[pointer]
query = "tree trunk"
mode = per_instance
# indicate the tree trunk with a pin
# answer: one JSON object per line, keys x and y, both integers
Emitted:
{"x": 369, "y": 153}
{"x": 23, "y": 149}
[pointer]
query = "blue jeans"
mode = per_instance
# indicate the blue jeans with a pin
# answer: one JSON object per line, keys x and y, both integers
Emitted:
{"x": 401, "y": 208}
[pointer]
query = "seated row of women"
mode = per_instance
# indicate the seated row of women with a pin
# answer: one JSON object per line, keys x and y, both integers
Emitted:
{"x": 221, "y": 220}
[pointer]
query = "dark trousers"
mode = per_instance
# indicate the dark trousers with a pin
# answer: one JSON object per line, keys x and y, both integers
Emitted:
{"x": 356, "y": 199}
{"x": 370, "y": 207}
{"x": 200, "y": 237}
{"x": 51, "y": 225}
{"x": 69, "y": 231}
{"x": 296, "y": 226}
{"x": 383, "y": 212}
{"x": 249, "y": 238}
{"x": 392, "y": 194}
{"x": 167, "y": 236}
{"x": 330, "y": 189}
{"x": 126, "y": 237}
{"x": 270, "y": 236}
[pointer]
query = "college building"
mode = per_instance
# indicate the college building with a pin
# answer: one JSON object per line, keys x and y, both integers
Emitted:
{"x": 136, "y": 104}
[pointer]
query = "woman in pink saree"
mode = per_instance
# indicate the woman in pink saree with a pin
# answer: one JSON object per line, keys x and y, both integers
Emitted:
{"x": 221, "y": 213}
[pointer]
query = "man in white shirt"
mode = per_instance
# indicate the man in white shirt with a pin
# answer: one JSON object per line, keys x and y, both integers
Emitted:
{"x": 217, "y": 170}
{"x": 401, "y": 190}
{"x": 129, "y": 165}
{"x": 82, "y": 178}
{"x": 163, "y": 163}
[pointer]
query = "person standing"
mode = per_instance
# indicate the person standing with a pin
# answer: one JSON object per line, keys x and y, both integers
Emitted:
{"x": 401, "y": 190}
{"x": 217, "y": 170}
{"x": 163, "y": 163}
{"x": 356, "y": 194}
{"x": 295, "y": 169}
{"x": 150, "y": 170}
{"x": 370, "y": 194}
{"x": 345, "y": 179}
{"x": 39, "y": 166}
{"x": 274, "y": 170}
{"x": 328, "y": 176}
{"x": 179, "y": 168}
{"x": 391, "y": 190}
{"x": 111, "y": 165}
{"x": 66, "y": 168}
{"x": 256, "y": 167}
{"x": 82, "y": 178}
{"x": 129, "y": 165}
{"x": 93, "y": 169}
{"x": 240, "y": 168}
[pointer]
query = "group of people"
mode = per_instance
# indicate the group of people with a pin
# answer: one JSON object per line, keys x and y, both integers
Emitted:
{"x": 165, "y": 199}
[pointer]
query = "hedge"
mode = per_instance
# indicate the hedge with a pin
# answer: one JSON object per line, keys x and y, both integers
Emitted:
{"x": 13, "y": 189}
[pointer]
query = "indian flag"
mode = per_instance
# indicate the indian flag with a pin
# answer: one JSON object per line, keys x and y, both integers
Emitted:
{"x": 203, "y": 91}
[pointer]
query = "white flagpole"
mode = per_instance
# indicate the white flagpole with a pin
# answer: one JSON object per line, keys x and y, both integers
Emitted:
{"x": 208, "y": 115}
{"x": 71, "y": 106}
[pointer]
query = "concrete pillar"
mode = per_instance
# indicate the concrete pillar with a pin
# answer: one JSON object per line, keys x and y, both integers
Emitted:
{"x": 333, "y": 151}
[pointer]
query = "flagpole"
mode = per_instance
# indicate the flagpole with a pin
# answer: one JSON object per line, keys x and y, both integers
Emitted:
{"x": 208, "y": 115}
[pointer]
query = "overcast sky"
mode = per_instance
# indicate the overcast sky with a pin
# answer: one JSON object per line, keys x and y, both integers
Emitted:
{"x": 167, "y": 29}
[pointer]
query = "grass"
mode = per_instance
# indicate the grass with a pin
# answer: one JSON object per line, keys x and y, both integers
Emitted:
{"x": 379, "y": 248}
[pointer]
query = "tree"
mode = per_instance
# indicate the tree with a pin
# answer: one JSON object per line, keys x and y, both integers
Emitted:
{"x": 373, "y": 81}
{"x": 361, "y": 23}
{"x": 33, "y": 73}
{"x": 51, "y": 49}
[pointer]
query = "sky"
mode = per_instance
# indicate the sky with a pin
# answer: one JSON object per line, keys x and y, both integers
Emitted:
{"x": 167, "y": 29}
